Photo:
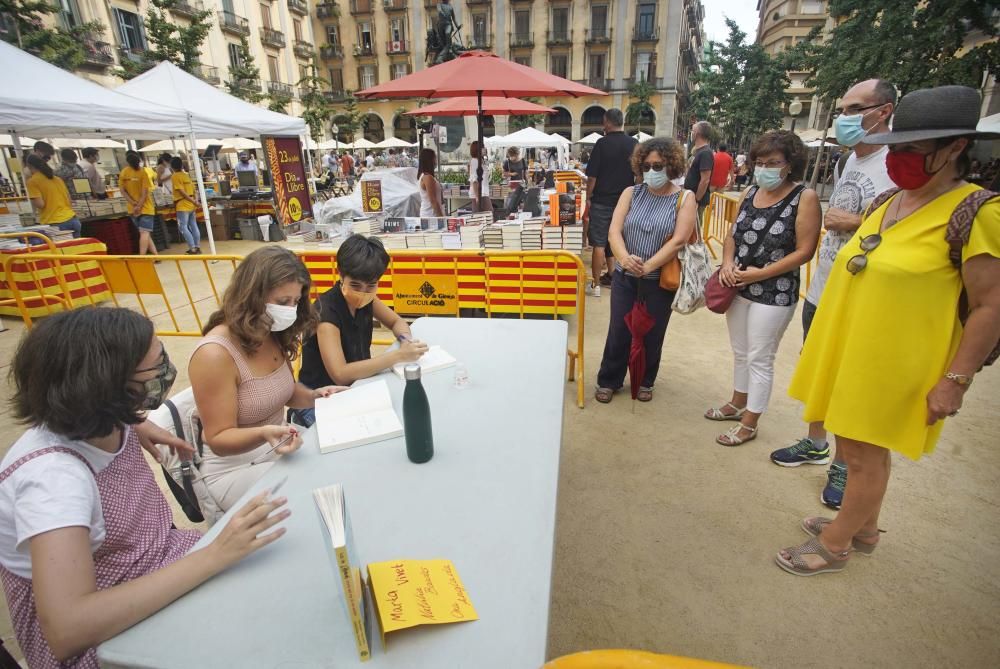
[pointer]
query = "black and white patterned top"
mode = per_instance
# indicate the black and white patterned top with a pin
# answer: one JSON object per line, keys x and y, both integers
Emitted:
{"x": 779, "y": 241}
{"x": 650, "y": 220}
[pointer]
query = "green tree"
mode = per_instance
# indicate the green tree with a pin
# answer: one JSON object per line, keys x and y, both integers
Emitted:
{"x": 279, "y": 101}
{"x": 349, "y": 118}
{"x": 641, "y": 109}
{"x": 244, "y": 79}
{"x": 910, "y": 43}
{"x": 170, "y": 41}
{"x": 523, "y": 121}
{"x": 315, "y": 110}
{"x": 63, "y": 47}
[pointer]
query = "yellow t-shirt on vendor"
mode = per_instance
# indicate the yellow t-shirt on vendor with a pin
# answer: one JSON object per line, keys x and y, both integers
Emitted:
{"x": 132, "y": 181}
{"x": 182, "y": 185}
{"x": 151, "y": 173}
{"x": 57, "y": 207}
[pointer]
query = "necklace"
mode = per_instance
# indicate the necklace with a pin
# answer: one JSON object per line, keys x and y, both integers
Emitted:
{"x": 899, "y": 204}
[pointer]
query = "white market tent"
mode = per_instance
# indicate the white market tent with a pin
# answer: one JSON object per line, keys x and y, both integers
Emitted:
{"x": 393, "y": 143}
{"x": 363, "y": 144}
{"x": 333, "y": 144}
{"x": 229, "y": 145}
{"x": 989, "y": 123}
{"x": 529, "y": 138}
{"x": 590, "y": 139}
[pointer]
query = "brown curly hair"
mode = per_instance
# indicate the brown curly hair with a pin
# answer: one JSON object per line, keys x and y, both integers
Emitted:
{"x": 670, "y": 152}
{"x": 243, "y": 304}
{"x": 786, "y": 143}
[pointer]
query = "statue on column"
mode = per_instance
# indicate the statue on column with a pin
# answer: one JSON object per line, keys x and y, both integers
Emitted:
{"x": 441, "y": 38}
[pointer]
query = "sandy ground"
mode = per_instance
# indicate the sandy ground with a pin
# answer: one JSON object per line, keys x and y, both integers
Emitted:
{"x": 665, "y": 540}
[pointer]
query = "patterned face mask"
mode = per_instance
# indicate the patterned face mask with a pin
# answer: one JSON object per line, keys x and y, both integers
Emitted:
{"x": 157, "y": 388}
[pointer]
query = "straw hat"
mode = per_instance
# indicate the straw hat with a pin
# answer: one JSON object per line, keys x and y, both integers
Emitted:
{"x": 932, "y": 113}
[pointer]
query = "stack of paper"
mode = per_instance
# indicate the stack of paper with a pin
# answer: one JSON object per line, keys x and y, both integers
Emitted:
{"x": 361, "y": 415}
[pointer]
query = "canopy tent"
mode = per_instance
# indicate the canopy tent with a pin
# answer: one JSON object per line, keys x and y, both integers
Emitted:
{"x": 394, "y": 143}
{"x": 42, "y": 100}
{"x": 492, "y": 106}
{"x": 641, "y": 136}
{"x": 78, "y": 143}
{"x": 989, "y": 123}
{"x": 8, "y": 140}
{"x": 590, "y": 139}
{"x": 334, "y": 144}
{"x": 230, "y": 145}
{"x": 362, "y": 144}
{"x": 241, "y": 144}
{"x": 531, "y": 138}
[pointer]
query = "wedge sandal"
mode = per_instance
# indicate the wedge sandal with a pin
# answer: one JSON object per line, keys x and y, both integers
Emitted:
{"x": 814, "y": 525}
{"x": 716, "y": 413}
{"x": 797, "y": 564}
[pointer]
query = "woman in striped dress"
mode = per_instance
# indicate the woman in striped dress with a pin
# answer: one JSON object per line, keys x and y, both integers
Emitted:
{"x": 651, "y": 223}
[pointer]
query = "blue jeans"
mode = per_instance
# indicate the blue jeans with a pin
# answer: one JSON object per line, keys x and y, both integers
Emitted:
{"x": 303, "y": 417}
{"x": 72, "y": 224}
{"x": 187, "y": 223}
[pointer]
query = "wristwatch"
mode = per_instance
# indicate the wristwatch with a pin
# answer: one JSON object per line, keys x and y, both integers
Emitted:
{"x": 961, "y": 379}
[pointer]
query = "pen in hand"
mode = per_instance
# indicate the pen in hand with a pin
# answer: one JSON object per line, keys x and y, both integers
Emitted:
{"x": 284, "y": 440}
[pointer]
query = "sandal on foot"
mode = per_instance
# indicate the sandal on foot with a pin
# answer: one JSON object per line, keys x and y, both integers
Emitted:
{"x": 797, "y": 564}
{"x": 814, "y": 525}
{"x": 733, "y": 438}
{"x": 645, "y": 394}
{"x": 716, "y": 414}
{"x": 603, "y": 395}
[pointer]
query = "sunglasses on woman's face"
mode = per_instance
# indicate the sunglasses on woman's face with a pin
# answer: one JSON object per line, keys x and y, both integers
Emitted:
{"x": 860, "y": 261}
{"x": 652, "y": 166}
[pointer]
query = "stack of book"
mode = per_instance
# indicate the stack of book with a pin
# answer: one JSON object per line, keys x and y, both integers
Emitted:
{"x": 511, "y": 233}
{"x": 482, "y": 218}
{"x": 451, "y": 241}
{"x": 472, "y": 236}
{"x": 393, "y": 241}
{"x": 492, "y": 237}
{"x": 432, "y": 240}
{"x": 573, "y": 238}
{"x": 366, "y": 226}
{"x": 299, "y": 238}
{"x": 414, "y": 240}
{"x": 531, "y": 234}
{"x": 552, "y": 238}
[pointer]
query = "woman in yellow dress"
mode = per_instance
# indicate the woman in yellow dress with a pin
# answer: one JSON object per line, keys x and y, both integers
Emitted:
{"x": 887, "y": 359}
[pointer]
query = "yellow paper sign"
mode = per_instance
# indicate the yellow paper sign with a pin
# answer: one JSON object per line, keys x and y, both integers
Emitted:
{"x": 408, "y": 593}
{"x": 425, "y": 293}
{"x": 371, "y": 196}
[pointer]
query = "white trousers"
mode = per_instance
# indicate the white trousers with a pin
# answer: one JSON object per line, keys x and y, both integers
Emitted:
{"x": 755, "y": 330}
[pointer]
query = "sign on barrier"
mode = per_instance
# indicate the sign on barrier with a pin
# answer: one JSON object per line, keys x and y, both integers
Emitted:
{"x": 425, "y": 294}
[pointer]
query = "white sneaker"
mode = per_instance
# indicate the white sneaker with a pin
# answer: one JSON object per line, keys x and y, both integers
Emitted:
{"x": 594, "y": 290}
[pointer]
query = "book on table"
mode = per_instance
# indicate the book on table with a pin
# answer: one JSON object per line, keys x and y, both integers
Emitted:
{"x": 434, "y": 359}
{"x": 355, "y": 417}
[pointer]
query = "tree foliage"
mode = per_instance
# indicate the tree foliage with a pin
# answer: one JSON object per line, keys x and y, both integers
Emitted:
{"x": 244, "y": 79}
{"x": 522, "y": 121}
{"x": 741, "y": 88}
{"x": 170, "y": 41}
{"x": 910, "y": 43}
{"x": 278, "y": 101}
{"x": 315, "y": 110}
{"x": 638, "y": 111}
{"x": 23, "y": 21}
{"x": 348, "y": 119}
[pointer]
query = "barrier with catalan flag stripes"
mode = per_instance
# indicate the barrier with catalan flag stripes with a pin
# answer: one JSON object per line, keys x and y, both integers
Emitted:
{"x": 521, "y": 284}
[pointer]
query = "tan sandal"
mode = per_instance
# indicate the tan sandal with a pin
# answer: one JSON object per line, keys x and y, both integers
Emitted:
{"x": 604, "y": 395}
{"x": 797, "y": 565}
{"x": 814, "y": 525}
{"x": 716, "y": 414}
{"x": 645, "y": 394}
{"x": 733, "y": 438}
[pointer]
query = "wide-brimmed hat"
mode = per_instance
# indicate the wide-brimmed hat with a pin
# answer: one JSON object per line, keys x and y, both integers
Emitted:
{"x": 932, "y": 113}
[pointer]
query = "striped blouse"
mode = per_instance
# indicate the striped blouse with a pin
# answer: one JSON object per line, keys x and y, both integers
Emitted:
{"x": 650, "y": 220}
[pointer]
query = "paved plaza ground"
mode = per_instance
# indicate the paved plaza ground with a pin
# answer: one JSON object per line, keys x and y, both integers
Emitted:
{"x": 665, "y": 540}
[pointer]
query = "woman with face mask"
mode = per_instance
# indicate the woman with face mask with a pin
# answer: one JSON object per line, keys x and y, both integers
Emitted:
{"x": 888, "y": 358}
{"x": 241, "y": 371}
{"x": 775, "y": 232}
{"x": 340, "y": 351}
{"x": 87, "y": 545}
{"x": 651, "y": 223}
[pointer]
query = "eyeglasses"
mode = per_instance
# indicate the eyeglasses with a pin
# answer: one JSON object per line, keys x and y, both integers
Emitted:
{"x": 856, "y": 109}
{"x": 161, "y": 367}
{"x": 860, "y": 261}
{"x": 780, "y": 163}
{"x": 652, "y": 166}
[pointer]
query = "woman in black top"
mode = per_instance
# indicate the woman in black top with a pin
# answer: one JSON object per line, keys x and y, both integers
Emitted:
{"x": 515, "y": 167}
{"x": 774, "y": 234}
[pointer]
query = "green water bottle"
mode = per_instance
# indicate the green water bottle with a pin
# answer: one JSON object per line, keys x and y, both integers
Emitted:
{"x": 416, "y": 417}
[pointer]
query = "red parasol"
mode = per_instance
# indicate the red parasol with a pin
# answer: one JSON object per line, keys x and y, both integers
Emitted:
{"x": 639, "y": 322}
{"x": 477, "y": 73}
{"x": 492, "y": 105}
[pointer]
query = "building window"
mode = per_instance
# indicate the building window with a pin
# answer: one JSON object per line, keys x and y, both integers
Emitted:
{"x": 130, "y": 30}
{"x": 523, "y": 60}
{"x": 333, "y": 35}
{"x": 397, "y": 29}
{"x": 643, "y": 66}
{"x": 235, "y": 60}
{"x": 560, "y": 66}
{"x": 227, "y": 6}
{"x": 297, "y": 29}
{"x": 645, "y": 20}
{"x": 304, "y": 72}
{"x": 560, "y": 22}
{"x": 480, "y": 30}
{"x": 272, "y": 68}
{"x": 599, "y": 20}
{"x": 265, "y": 16}
{"x": 812, "y": 7}
{"x": 596, "y": 66}
{"x": 400, "y": 70}
{"x": 365, "y": 36}
{"x": 337, "y": 80}
{"x": 522, "y": 24}
{"x": 366, "y": 76}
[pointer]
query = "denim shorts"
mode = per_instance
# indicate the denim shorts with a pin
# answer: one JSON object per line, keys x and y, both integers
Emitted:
{"x": 144, "y": 222}
{"x": 600, "y": 223}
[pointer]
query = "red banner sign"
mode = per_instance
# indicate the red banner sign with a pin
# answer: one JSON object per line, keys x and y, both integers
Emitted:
{"x": 288, "y": 178}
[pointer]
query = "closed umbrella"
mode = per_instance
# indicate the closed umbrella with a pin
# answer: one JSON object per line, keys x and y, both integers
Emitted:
{"x": 639, "y": 322}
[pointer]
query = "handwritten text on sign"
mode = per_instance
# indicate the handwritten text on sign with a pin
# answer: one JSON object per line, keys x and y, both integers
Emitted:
{"x": 425, "y": 293}
{"x": 408, "y": 593}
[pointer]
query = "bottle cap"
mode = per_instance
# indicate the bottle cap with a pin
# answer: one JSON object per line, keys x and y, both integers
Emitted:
{"x": 411, "y": 372}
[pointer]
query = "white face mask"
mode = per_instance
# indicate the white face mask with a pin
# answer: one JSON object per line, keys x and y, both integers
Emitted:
{"x": 282, "y": 317}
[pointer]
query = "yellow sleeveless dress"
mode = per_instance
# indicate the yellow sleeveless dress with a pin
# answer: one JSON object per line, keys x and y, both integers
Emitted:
{"x": 884, "y": 337}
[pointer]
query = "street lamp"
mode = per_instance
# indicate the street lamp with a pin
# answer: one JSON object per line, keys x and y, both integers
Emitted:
{"x": 794, "y": 109}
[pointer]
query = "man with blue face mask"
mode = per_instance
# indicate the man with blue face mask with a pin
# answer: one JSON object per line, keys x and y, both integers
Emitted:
{"x": 865, "y": 108}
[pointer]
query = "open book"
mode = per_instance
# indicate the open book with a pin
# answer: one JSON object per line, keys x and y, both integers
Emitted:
{"x": 361, "y": 415}
{"x": 333, "y": 514}
{"x": 436, "y": 358}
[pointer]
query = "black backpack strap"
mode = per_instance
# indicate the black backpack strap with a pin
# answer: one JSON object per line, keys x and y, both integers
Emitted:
{"x": 879, "y": 200}
{"x": 960, "y": 224}
{"x": 183, "y": 492}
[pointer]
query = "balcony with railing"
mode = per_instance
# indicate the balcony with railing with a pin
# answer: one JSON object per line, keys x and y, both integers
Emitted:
{"x": 135, "y": 54}
{"x": 395, "y": 5}
{"x": 335, "y": 95}
{"x": 300, "y": 7}
{"x": 599, "y": 35}
{"x": 478, "y": 2}
{"x": 234, "y": 24}
{"x": 246, "y": 85}
{"x": 600, "y": 83}
{"x": 272, "y": 37}
{"x": 187, "y": 8}
{"x": 397, "y": 46}
{"x": 559, "y": 36}
{"x": 207, "y": 73}
{"x": 97, "y": 54}
{"x": 328, "y": 10}
{"x": 280, "y": 88}
{"x": 361, "y": 6}
{"x": 481, "y": 42}
{"x": 303, "y": 49}
{"x": 518, "y": 40}
{"x": 364, "y": 50}
{"x": 331, "y": 51}
{"x": 646, "y": 34}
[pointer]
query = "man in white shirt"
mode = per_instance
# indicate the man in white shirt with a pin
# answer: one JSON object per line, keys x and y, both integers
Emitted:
{"x": 865, "y": 108}
{"x": 369, "y": 161}
{"x": 330, "y": 162}
{"x": 245, "y": 164}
